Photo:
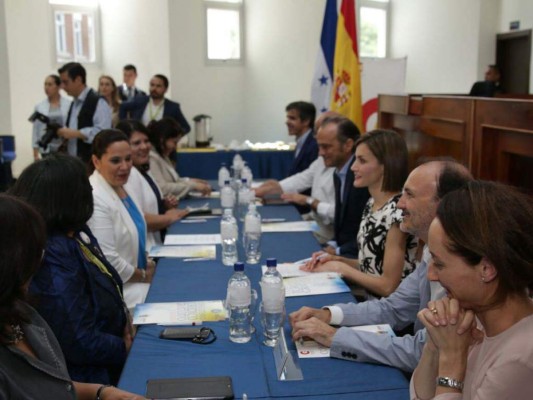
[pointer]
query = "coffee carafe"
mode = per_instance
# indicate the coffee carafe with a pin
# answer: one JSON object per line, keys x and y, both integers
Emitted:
{"x": 202, "y": 126}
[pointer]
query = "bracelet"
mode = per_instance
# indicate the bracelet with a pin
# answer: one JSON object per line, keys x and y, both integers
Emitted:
{"x": 100, "y": 390}
{"x": 450, "y": 383}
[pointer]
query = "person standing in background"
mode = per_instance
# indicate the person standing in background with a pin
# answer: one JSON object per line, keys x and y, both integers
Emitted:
{"x": 55, "y": 107}
{"x": 108, "y": 90}
{"x": 128, "y": 91}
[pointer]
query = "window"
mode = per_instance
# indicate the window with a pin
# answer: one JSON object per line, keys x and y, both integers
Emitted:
{"x": 224, "y": 32}
{"x": 75, "y": 32}
{"x": 373, "y": 21}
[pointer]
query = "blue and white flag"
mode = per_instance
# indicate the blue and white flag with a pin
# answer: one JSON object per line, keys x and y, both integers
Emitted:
{"x": 322, "y": 79}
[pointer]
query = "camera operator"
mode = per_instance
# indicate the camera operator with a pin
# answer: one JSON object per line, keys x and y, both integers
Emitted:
{"x": 55, "y": 107}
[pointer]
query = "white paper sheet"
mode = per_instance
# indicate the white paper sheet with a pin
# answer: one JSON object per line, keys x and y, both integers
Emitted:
{"x": 192, "y": 239}
{"x": 289, "y": 270}
{"x": 209, "y": 251}
{"x": 296, "y": 226}
{"x": 315, "y": 283}
{"x": 179, "y": 312}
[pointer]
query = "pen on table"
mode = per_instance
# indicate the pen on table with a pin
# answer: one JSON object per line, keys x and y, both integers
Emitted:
{"x": 267, "y": 220}
{"x": 198, "y": 259}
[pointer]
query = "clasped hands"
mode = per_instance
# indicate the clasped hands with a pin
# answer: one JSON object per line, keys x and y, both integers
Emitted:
{"x": 312, "y": 323}
{"x": 322, "y": 261}
{"x": 451, "y": 328}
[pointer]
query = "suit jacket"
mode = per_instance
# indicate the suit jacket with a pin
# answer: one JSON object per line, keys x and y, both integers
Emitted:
{"x": 123, "y": 92}
{"x": 83, "y": 307}
{"x": 28, "y": 377}
{"x": 167, "y": 178}
{"x": 116, "y": 232}
{"x": 348, "y": 213}
{"x": 308, "y": 154}
{"x": 134, "y": 109}
{"x": 399, "y": 310}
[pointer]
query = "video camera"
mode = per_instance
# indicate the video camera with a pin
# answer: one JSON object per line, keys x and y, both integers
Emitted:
{"x": 51, "y": 128}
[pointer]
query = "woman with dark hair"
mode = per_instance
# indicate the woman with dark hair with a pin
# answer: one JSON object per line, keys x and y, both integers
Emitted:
{"x": 386, "y": 254}
{"x": 159, "y": 212}
{"x": 482, "y": 247}
{"x": 117, "y": 220}
{"x": 32, "y": 365}
{"x": 165, "y": 135}
{"x": 55, "y": 107}
{"x": 107, "y": 88}
{"x": 78, "y": 292}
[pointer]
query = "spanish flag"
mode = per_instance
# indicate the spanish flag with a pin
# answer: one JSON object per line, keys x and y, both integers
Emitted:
{"x": 346, "y": 90}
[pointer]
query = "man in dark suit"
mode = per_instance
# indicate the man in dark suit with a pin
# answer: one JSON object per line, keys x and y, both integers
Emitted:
{"x": 300, "y": 120}
{"x": 490, "y": 86}
{"x": 349, "y": 201}
{"x": 127, "y": 91}
{"x": 154, "y": 107}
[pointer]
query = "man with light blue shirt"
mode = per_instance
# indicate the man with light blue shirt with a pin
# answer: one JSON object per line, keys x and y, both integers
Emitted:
{"x": 424, "y": 188}
{"x": 89, "y": 113}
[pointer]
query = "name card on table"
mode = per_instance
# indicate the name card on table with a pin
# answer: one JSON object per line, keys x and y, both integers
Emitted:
{"x": 213, "y": 238}
{"x": 315, "y": 283}
{"x": 287, "y": 367}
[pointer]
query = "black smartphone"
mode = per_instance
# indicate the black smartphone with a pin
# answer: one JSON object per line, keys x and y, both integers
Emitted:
{"x": 189, "y": 332}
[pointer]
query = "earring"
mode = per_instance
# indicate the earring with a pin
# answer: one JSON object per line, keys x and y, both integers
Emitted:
{"x": 482, "y": 279}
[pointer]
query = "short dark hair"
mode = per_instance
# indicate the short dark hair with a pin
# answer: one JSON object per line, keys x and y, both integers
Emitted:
{"x": 163, "y": 78}
{"x": 74, "y": 69}
{"x": 22, "y": 241}
{"x": 130, "y": 67}
{"x": 453, "y": 176}
{"x": 56, "y": 79}
{"x": 160, "y": 131}
{"x": 390, "y": 149}
{"x": 346, "y": 129}
{"x": 128, "y": 126}
{"x": 493, "y": 221}
{"x": 58, "y": 188}
{"x": 306, "y": 111}
{"x": 496, "y": 68}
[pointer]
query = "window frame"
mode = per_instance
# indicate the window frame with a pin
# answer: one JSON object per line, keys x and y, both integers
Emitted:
{"x": 380, "y": 5}
{"x": 94, "y": 13}
{"x": 224, "y": 5}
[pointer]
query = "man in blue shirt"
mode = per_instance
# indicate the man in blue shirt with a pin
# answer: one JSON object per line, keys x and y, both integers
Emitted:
{"x": 424, "y": 188}
{"x": 89, "y": 113}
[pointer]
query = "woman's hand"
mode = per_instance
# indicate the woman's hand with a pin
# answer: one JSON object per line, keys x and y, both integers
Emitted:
{"x": 175, "y": 214}
{"x": 446, "y": 322}
{"x": 318, "y": 258}
{"x": 150, "y": 270}
{"x": 170, "y": 202}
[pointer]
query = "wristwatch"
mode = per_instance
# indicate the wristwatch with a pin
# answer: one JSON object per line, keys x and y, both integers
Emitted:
{"x": 310, "y": 201}
{"x": 450, "y": 382}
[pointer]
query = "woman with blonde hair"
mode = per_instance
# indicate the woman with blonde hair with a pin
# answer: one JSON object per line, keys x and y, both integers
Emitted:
{"x": 108, "y": 90}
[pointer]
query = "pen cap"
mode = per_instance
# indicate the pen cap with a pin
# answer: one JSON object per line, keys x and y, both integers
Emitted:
{"x": 272, "y": 262}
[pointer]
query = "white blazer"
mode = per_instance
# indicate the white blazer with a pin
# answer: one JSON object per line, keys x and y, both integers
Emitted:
{"x": 140, "y": 188}
{"x": 167, "y": 178}
{"x": 39, "y": 127}
{"x": 117, "y": 235}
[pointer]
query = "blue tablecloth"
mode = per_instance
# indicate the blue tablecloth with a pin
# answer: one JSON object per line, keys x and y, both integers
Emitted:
{"x": 250, "y": 365}
{"x": 205, "y": 165}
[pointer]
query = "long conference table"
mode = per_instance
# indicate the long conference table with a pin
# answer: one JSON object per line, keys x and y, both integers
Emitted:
{"x": 251, "y": 365}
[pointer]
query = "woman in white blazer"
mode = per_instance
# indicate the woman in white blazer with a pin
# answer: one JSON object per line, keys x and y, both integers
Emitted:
{"x": 117, "y": 221}
{"x": 54, "y": 107}
{"x": 159, "y": 212}
{"x": 165, "y": 135}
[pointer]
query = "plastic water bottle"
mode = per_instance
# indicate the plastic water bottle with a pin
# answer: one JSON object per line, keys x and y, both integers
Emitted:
{"x": 229, "y": 232}
{"x": 223, "y": 175}
{"x": 273, "y": 308}
{"x": 243, "y": 199}
{"x": 247, "y": 174}
{"x": 227, "y": 195}
{"x": 238, "y": 302}
{"x": 252, "y": 235}
{"x": 238, "y": 163}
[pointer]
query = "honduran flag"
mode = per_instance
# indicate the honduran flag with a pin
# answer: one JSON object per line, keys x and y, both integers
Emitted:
{"x": 337, "y": 80}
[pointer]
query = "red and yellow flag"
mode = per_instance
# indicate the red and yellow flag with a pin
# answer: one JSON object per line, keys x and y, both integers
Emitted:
{"x": 346, "y": 92}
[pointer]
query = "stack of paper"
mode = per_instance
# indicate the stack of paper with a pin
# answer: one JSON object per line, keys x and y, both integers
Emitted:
{"x": 209, "y": 251}
{"x": 182, "y": 313}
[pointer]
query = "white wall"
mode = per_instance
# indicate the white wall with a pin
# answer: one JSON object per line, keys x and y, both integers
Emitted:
{"x": 5, "y": 104}
{"x": 440, "y": 40}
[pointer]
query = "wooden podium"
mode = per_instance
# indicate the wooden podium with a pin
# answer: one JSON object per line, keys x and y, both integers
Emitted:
{"x": 493, "y": 137}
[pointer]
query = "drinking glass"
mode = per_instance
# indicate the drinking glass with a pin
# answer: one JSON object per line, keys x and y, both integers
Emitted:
{"x": 272, "y": 324}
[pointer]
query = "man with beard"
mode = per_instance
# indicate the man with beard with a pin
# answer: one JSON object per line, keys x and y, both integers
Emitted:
{"x": 154, "y": 107}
